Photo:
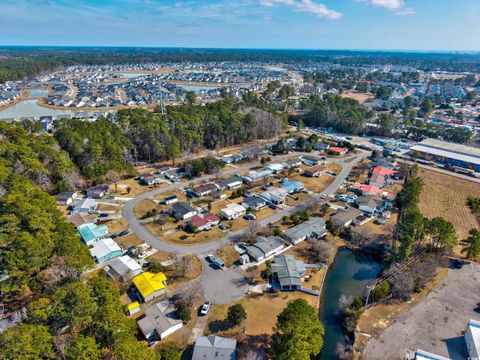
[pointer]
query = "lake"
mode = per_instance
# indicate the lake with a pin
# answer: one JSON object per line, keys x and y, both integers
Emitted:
{"x": 348, "y": 274}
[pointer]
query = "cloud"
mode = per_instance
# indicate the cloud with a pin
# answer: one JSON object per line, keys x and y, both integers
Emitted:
{"x": 388, "y": 4}
{"x": 307, "y": 6}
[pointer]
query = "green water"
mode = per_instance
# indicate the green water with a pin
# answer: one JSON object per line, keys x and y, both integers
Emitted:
{"x": 348, "y": 275}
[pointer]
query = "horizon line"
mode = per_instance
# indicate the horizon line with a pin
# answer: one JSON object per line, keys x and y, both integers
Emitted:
{"x": 438, "y": 51}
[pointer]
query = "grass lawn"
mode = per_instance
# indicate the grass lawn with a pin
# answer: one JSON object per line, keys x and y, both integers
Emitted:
{"x": 124, "y": 241}
{"x": 135, "y": 188}
{"x": 180, "y": 195}
{"x": 301, "y": 197}
{"x": 144, "y": 206}
{"x": 228, "y": 254}
{"x": 444, "y": 195}
{"x": 184, "y": 238}
{"x": 315, "y": 184}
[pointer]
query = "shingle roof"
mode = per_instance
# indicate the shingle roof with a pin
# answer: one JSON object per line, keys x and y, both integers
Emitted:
{"x": 213, "y": 348}
{"x": 286, "y": 270}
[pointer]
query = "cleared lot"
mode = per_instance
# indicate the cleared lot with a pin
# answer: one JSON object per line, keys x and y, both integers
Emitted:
{"x": 436, "y": 323}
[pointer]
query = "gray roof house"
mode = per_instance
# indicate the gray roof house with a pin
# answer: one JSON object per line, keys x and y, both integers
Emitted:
{"x": 315, "y": 227}
{"x": 288, "y": 272}
{"x": 369, "y": 203}
{"x": 345, "y": 217}
{"x": 123, "y": 268}
{"x": 183, "y": 210}
{"x": 254, "y": 202}
{"x": 156, "y": 325}
{"x": 214, "y": 348}
{"x": 98, "y": 191}
{"x": 265, "y": 247}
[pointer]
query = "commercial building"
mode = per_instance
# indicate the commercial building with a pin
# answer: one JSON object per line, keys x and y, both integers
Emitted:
{"x": 448, "y": 154}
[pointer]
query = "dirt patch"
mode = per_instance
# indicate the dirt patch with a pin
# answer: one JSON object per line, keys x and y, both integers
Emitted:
{"x": 359, "y": 96}
{"x": 228, "y": 254}
{"x": 144, "y": 207}
{"x": 184, "y": 238}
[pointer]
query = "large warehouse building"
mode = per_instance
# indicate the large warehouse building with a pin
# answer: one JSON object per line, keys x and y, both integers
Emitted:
{"x": 448, "y": 154}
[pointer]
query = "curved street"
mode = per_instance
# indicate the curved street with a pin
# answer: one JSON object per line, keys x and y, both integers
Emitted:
{"x": 198, "y": 249}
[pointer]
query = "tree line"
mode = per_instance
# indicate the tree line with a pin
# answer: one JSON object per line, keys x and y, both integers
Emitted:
{"x": 118, "y": 141}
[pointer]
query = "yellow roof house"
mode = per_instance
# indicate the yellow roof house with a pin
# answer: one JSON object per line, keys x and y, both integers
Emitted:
{"x": 150, "y": 285}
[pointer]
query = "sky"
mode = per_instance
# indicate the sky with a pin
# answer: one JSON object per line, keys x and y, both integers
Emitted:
{"x": 437, "y": 25}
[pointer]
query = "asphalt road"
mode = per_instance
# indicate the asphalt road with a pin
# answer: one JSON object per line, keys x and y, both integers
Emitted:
{"x": 156, "y": 242}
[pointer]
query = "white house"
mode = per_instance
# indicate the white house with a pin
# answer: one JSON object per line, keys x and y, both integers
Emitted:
{"x": 84, "y": 206}
{"x": 156, "y": 326}
{"x": 233, "y": 211}
{"x": 472, "y": 339}
{"x": 275, "y": 195}
{"x": 265, "y": 247}
{"x": 275, "y": 168}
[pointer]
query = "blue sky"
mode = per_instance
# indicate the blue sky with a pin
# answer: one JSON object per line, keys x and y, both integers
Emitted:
{"x": 303, "y": 24}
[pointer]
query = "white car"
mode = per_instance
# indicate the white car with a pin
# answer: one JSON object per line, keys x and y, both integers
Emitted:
{"x": 204, "y": 309}
{"x": 142, "y": 254}
{"x": 210, "y": 258}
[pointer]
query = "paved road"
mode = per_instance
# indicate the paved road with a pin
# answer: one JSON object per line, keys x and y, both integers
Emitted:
{"x": 158, "y": 244}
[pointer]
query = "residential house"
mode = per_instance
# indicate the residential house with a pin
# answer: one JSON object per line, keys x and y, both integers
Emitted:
{"x": 287, "y": 272}
{"x": 366, "y": 189}
{"x": 205, "y": 189}
{"x": 337, "y": 150}
{"x": 315, "y": 227}
{"x": 425, "y": 355}
{"x": 310, "y": 160}
{"x": 82, "y": 218}
{"x": 315, "y": 171}
{"x": 149, "y": 286}
{"x": 133, "y": 308}
{"x": 123, "y": 269}
{"x": 275, "y": 168}
{"x": 377, "y": 180}
{"x": 368, "y": 204}
{"x": 258, "y": 177}
{"x": 183, "y": 210}
{"x": 91, "y": 232}
{"x": 156, "y": 326}
{"x": 98, "y": 191}
{"x": 201, "y": 222}
{"x": 103, "y": 250}
{"x": 380, "y": 170}
{"x": 84, "y": 206}
{"x": 274, "y": 195}
{"x": 170, "y": 200}
{"x": 214, "y": 348}
{"x": 472, "y": 339}
{"x": 361, "y": 220}
{"x": 232, "y": 211}
{"x": 292, "y": 163}
{"x": 231, "y": 183}
{"x": 152, "y": 179}
{"x": 65, "y": 198}
{"x": 254, "y": 203}
{"x": 344, "y": 217}
{"x": 265, "y": 247}
{"x": 293, "y": 186}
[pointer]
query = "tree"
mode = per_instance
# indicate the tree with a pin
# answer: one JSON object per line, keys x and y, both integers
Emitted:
{"x": 83, "y": 347}
{"x": 471, "y": 245}
{"x": 300, "y": 125}
{"x": 441, "y": 232}
{"x": 169, "y": 352}
{"x": 183, "y": 312}
{"x": 427, "y": 106}
{"x": 26, "y": 341}
{"x": 298, "y": 332}
{"x": 191, "y": 97}
{"x": 236, "y": 314}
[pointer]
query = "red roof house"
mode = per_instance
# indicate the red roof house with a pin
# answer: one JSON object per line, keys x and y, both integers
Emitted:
{"x": 379, "y": 170}
{"x": 337, "y": 150}
{"x": 202, "y": 222}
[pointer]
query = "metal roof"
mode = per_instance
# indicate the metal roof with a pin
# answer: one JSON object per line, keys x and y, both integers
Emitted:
{"x": 305, "y": 229}
{"x": 286, "y": 270}
{"x": 213, "y": 348}
{"x": 447, "y": 154}
{"x": 453, "y": 147}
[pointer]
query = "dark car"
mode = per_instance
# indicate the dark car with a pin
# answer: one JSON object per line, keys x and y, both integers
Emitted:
{"x": 131, "y": 251}
{"x": 123, "y": 232}
{"x": 456, "y": 264}
{"x": 103, "y": 215}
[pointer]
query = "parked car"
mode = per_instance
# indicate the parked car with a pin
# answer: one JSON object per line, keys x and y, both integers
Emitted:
{"x": 210, "y": 258}
{"x": 103, "y": 215}
{"x": 249, "y": 217}
{"x": 123, "y": 232}
{"x": 142, "y": 254}
{"x": 272, "y": 206}
{"x": 205, "y": 308}
{"x": 223, "y": 227}
{"x": 131, "y": 251}
{"x": 146, "y": 264}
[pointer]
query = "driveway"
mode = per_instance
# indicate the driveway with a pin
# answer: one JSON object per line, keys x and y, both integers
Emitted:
{"x": 436, "y": 323}
{"x": 222, "y": 286}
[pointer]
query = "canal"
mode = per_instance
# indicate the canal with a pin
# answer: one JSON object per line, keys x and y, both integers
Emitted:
{"x": 348, "y": 275}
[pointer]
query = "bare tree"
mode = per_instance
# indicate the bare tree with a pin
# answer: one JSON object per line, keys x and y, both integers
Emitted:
{"x": 192, "y": 291}
{"x": 183, "y": 265}
{"x": 250, "y": 232}
{"x": 112, "y": 176}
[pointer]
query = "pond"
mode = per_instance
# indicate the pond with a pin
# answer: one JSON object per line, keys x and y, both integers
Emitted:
{"x": 348, "y": 275}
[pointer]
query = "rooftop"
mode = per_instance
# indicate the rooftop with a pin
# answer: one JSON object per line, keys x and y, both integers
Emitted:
{"x": 147, "y": 283}
{"x": 213, "y": 348}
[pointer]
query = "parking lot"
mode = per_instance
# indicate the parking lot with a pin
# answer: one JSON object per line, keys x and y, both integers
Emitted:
{"x": 436, "y": 323}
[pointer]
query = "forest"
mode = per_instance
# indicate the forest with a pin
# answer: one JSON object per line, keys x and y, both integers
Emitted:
{"x": 118, "y": 141}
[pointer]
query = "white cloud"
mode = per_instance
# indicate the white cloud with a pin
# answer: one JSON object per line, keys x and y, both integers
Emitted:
{"x": 388, "y": 4}
{"x": 307, "y": 6}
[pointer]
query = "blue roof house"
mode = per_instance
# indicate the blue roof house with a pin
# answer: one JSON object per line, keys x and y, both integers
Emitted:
{"x": 293, "y": 186}
{"x": 91, "y": 232}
